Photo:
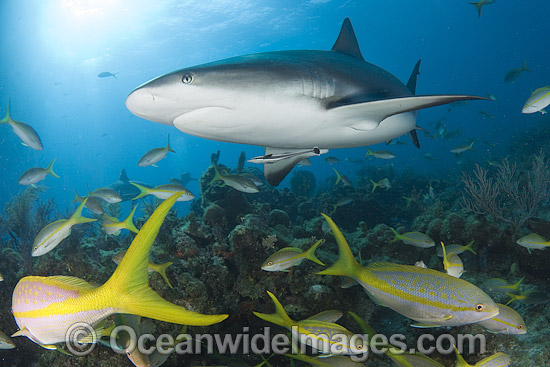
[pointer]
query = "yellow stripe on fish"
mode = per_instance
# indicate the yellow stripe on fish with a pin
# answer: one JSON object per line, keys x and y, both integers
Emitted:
{"x": 428, "y": 296}
{"x": 45, "y": 308}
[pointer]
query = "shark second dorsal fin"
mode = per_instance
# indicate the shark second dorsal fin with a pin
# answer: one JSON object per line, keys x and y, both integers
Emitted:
{"x": 123, "y": 176}
{"x": 347, "y": 42}
{"x": 411, "y": 84}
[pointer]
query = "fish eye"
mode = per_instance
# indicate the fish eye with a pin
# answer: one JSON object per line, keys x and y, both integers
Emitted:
{"x": 480, "y": 307}
{"x": 520, "y": 326}
{"x": 270, "y": 263}
{"x": 187, "y": 79}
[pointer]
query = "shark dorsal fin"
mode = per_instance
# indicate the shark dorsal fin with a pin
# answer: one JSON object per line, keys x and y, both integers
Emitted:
{"x": 411, "y": 84}
{"x": 123, "y": 176}
{"x": 347, "y": 42}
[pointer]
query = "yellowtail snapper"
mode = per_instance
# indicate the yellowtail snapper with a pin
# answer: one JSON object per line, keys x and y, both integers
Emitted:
{"x": 113, "y": 226}
{"x": 428, "y": 296}
{"x": 36, "y": 174}
{"x": 46, "y": 308}
{"x": 155, "y": 155}
{"x": 50, "y": 236}
{"x": 25, "y": 132}
{"x": 288, "y": 257}
{"x": 508, "y": 321}
{"x": 164, "y": 191}
{"x": 417, "y": 239}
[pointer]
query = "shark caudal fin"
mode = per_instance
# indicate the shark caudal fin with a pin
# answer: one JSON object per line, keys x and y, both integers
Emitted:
{"x": 280, "y": 317}
{"x": 129, "y": 283}
{"x": 346, "y": 265}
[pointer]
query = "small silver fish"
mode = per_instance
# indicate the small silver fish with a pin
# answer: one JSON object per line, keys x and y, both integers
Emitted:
{"x": 25, "y": 132}
{"x": 36, "y": 174}
{"x": 533, "y": 241}
{"x": 108, "y": 195}
{"x": 107, "y": 74}
{"x": 288, "y": 257}
{"x": 380, "y": 154}
{"x": 417, "y": 239}
{"x": 462, "y": 148}
{"x": 327, "y": 316}
{"x": 164, "y": 191}
{"x": 508, "y": 321}
{"x": 238, "y": 182}
{"x": 6, "y": 342}
{"x": 538, "y": 100}
{"x": 383, "y": 183}
{"x": 155, "y": 155}
{"x": 332, "y": 160}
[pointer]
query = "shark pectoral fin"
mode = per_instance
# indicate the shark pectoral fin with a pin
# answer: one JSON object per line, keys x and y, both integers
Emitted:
{"x": 278, "y": 162}
{"x": 367, "y": 115}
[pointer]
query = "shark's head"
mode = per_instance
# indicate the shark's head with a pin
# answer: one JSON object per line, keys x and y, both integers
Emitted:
{"x": 165, "y": 98}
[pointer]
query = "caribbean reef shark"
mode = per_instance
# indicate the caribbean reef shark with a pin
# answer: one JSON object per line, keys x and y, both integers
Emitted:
{"x": 296, "y": 104}
{"x": 124, "y": 187}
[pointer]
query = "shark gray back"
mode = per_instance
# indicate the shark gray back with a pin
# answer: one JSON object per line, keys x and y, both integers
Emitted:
{"x": 296, "y": 104}
{"x": 124, "y": 187}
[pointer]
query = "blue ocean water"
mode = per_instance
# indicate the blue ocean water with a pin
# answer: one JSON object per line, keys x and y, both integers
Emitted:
{"x": 53, "y": 51}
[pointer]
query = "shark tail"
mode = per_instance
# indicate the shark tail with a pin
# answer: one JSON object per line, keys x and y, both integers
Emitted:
{"x": 128, "y": 286}
{"x": 346, "y": 265}
{"x": 50, "y": 169}
{"x": 143, "y": 191}
{"x": 168, "y": 145}
{"x": 280, "y": 317}
{"x": 77, "y": 217}
{"x": 161, "y": 269}
{"x": 310, "y": 254}
{"x": 129, "y": 221}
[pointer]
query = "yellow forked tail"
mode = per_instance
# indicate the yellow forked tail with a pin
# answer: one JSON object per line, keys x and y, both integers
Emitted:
{"x": 143, "y": 191}
{"x": 129, "y": 283}
{"x": 280, "y": 317}
{"x": 346, "y": 264}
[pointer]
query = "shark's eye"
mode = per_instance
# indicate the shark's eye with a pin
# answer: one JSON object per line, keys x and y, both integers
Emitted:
{"x": 187, "y": 79}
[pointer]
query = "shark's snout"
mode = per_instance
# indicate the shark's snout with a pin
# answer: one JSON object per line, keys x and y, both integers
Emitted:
{"x": 142, "y": 102}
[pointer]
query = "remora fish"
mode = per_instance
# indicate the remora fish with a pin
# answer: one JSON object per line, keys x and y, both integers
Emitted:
{"x": 164, "y": 191}
{"x": 25, "y": 132}
{"x": 151, "y": 266}
{"x": 51, "y": 235}
{"x": 35, "y": 174}
{"x": 45, "y": 308}
{"x": 508, "y": 321}
{"x": 324, "y": 336}
{"x": 296, "y": 104}
{"x": 428, "y": 296}
{"x": 155, "y": 155}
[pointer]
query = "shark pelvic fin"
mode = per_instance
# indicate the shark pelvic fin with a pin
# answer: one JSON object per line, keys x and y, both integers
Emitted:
{"x": 347, "y": 42}
{"x": 414, "y": 138}
{"x": 280, "y": 161}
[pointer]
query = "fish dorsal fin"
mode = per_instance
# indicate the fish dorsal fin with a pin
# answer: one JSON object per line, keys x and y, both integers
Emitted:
{"x": 347, "y": 42}
{"x": 411, "y": 84}
{"x": 123, "y": 176}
